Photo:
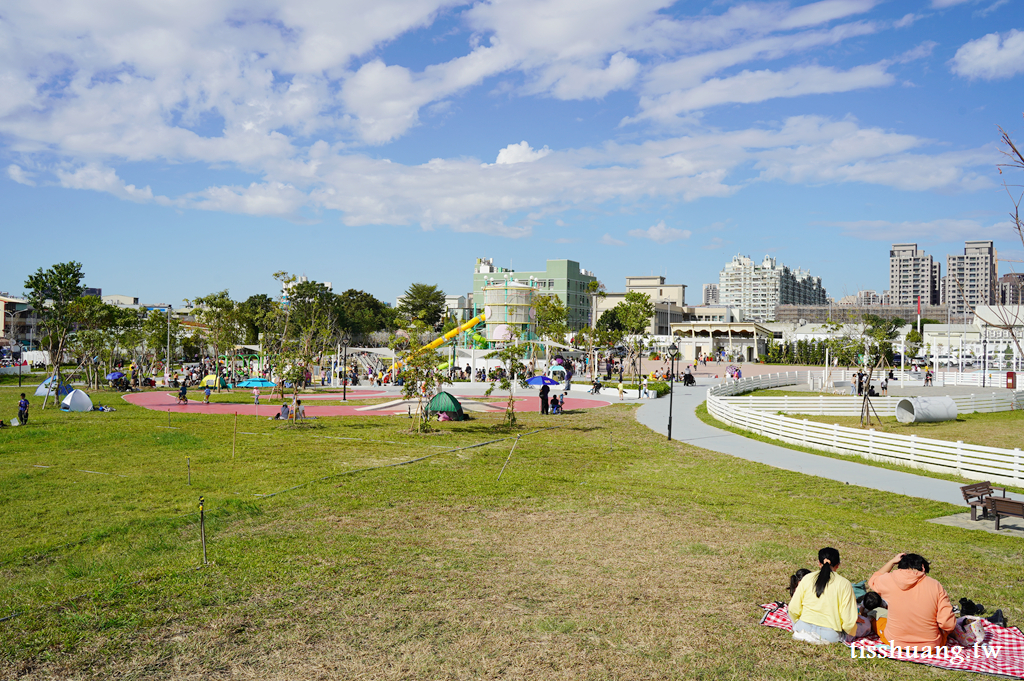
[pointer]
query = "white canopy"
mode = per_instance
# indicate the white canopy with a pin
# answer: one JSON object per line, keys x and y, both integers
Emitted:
{"x": 76, "y": 401}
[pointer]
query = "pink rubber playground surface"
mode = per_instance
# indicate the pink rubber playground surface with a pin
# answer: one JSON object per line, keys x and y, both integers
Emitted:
{"x": 165, "y": 401}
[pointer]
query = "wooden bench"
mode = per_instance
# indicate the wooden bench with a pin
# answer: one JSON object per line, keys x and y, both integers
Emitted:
{"x": 1004, "y": 508}
{"x": 976, "y": 496}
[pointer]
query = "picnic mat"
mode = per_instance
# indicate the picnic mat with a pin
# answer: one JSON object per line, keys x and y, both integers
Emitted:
{"x": 1002, "y": 652}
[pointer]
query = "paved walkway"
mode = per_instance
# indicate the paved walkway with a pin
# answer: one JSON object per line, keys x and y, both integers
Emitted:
{"x": 686, "y": 427}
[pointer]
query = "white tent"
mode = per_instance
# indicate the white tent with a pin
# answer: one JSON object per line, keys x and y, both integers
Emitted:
{"x": 76, "y": 401}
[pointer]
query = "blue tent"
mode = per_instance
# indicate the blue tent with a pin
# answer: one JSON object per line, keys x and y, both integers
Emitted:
{"x": 48, "y": 387}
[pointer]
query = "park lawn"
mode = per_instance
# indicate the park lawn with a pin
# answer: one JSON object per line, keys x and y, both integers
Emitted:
{"x": 1003, "y": 429}
{"x": 604, "y": 551}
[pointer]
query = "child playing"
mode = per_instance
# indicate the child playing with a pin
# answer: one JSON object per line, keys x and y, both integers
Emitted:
{"x": 206, "y": 395}
{"x": 256, "y": 396}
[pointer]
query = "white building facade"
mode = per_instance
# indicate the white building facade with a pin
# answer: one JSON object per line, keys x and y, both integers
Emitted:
{"x": 757, "y": 289}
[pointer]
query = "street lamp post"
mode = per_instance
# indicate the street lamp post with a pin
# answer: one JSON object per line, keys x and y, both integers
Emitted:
{"x": 345, "y": 340}
{"x": 14, "y": 345}
{"x": 673, "y": 353}
{"x": 984, "y": 360}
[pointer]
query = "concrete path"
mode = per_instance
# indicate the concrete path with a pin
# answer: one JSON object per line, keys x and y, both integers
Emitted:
{"x": 686, "y": 427}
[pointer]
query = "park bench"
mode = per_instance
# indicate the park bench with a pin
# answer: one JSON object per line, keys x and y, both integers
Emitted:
{"x": 976, "y": 496}
{"x": 1001, "y": 507}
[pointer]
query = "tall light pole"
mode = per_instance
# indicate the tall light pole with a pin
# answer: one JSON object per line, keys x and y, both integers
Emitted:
{"x": 167, "y": 368}
{"x": 673, "y": 353}
{"x": 345, "y": 340}
{"x": 984, "y": 357}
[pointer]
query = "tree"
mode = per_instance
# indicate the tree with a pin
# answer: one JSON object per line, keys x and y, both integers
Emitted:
{"x": 513, "y": 373}
{"x": 259, "y": 314}
{"x": 52, "y": 294}
{"x": 634, "y": 313}
{"x": 421, "y": 378}
{"x": 362, "y": 313}
{"x": 552, "y": 317}
{"x": 220, "y": 327}
{"x": 159, "y": 328}
{"x": 609, "y": 320}
{"x": 424, "y": 303}
{"x": 94, "y": 322}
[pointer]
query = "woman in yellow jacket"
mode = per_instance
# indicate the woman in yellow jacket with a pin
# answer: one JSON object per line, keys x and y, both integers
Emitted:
{"x": 823, "y": 608}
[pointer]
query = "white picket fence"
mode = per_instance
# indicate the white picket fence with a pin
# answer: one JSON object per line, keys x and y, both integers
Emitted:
{"x": 970, "y": 461}
{"x": 989, "y": 379}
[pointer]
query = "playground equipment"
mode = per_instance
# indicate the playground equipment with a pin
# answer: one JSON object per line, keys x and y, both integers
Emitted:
{"x": 438, "y": 342}
{"x": 508, "y": 309}
{"x": 926, "y": 410}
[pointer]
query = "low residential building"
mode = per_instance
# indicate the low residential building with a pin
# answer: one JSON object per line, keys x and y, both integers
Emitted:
{"x": 669, "y": 302}
{"x": 563, "y": 278}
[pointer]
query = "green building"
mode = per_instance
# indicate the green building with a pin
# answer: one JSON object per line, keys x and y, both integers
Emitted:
{"x": 563, "y": 278}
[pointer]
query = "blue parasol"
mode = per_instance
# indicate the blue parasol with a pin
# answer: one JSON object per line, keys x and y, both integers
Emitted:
{"x": 256, "y": 383}
{"x": 541, "y": 380}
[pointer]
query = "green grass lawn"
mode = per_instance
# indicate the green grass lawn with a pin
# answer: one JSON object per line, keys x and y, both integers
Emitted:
{"x": 997, "y": 429}
{"x": 603, "y": 552}
{"x": 771, "y": 392}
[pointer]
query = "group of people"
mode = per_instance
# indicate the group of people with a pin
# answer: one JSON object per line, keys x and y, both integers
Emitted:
{"x": 553, "y": 404}
{"x": 905, "y": 606}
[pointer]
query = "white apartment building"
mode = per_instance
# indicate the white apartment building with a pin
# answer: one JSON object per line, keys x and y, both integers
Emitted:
{"x": 758, "y": 289}
{"x": 912, "y": 273}
{"x": 710, "y": 294}
{"x": 971, "y": 278}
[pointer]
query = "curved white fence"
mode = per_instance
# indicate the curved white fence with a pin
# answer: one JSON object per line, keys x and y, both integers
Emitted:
{"x": 1004, "y": 466}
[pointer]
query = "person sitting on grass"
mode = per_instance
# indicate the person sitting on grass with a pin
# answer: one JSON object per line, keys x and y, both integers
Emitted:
{"x": 919, "y": 612}
{"x": 794, "y": 580}
{"x": 554, "y": 404}
{"x": 300, "y": 411}
{"x": 284, "y": 412}
{"x": 823, "y": 608}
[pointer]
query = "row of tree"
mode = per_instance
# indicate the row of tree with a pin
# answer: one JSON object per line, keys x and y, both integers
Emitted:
{"x": 296, "y": 334}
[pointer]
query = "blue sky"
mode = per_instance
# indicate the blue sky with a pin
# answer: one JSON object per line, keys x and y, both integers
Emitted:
{"x": 181, "y": 148}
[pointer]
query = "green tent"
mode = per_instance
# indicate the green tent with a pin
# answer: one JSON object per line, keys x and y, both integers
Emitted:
{"x": 446, "y": 402}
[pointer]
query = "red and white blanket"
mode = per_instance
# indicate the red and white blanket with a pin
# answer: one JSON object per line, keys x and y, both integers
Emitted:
{"x": 1001, "y": 653}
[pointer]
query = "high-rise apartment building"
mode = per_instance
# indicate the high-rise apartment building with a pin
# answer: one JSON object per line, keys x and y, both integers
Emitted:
{"x": 758, "y": 289}
{"x": 710, "y": 296}
{"x": 971, "y": 277}
{"x": 913, "y": 274}
{"x": 1010, "y": 289}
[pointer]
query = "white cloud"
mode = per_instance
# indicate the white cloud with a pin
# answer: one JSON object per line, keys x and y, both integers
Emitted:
{"x": 922, "y": 51}
{"x": 757, "y": 86}
{"x": 18, "y": 174}
{"x": 99, "y": 178}
{"x": 521, "y": 153}
{"x": 933, "y": 230}
{"x": 660, "y": 234}
{"x": 906, "y": 20}
{"x": 991, "y": 57}
{"x": 609, "y": 240}
{"x": 943, "y": 4}
{"x": 572, "y": 81}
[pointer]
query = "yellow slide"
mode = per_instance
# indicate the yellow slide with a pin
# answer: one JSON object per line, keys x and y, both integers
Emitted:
{"x": 448, "y": 336}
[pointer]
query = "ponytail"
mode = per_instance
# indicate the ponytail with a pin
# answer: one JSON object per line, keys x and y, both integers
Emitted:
{"x": 829, "y": 559}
